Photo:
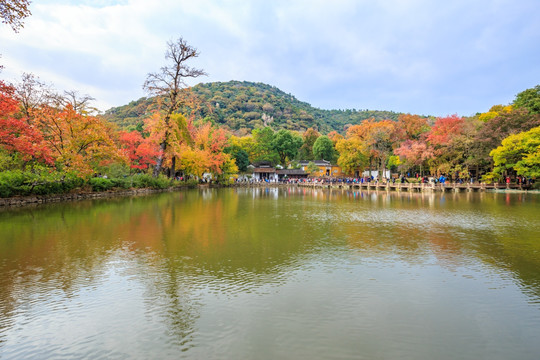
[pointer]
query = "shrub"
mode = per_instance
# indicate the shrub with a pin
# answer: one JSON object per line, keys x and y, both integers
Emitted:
{"x": 161, "y": 182}
{"x": 191, "y": 183}
{"x": 38, "y": 182}
{"x": 46, "y": 182}
{"x": 122, "y": 182}
{"x": 115, "y": 170}
{"x": 148, "y": 181}
{"x": 12, "y": 183}
{"x": 101, "y": 184}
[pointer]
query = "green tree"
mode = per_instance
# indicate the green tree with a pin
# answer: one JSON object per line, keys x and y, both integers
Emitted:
{"x": 240, "y": 156}
{"x": 312, "y": 168}
{"x": 519, "y": 152}
{"x": 493, "y": 131}
{"x": 286, "y": 144}
{"x": 306, "y": 150}
{"x": 529, "y": 99}
{"x": 323, "y": 148}
{"x": 263, "y": 148}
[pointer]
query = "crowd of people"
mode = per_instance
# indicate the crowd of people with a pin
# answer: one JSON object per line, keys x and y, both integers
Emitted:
{"x": 442, "y": 179}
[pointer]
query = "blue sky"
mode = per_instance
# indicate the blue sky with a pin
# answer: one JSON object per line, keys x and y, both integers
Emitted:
{"x": 417, "y": 56}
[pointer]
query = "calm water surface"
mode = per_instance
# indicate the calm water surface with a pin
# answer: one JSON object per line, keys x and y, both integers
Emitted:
{"x": 273, "y": 274}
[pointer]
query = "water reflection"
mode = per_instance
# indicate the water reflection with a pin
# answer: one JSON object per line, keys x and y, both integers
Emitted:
{"x": 158, "y": 269}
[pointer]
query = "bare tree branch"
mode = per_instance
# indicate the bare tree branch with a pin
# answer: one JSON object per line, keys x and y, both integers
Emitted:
{"x": 79, "y": 103}
{"x": 13, "y": 12}
{"x": 32, "y": 94}
{"x": 169, "y": 82}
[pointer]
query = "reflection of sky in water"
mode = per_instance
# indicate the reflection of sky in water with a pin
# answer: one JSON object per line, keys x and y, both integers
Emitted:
{"x": 320, "y": 275}
{"x": 421, "y": 219}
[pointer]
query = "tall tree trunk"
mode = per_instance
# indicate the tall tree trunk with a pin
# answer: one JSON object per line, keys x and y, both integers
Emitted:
{"x": 173, "y": 167}
{"x": 159, "y": 161}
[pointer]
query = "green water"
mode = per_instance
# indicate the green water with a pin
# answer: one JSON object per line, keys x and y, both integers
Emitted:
{"x": 273, "y": 274}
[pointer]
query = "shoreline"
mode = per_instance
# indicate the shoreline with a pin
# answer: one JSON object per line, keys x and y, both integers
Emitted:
{"x": 23, "y": 201}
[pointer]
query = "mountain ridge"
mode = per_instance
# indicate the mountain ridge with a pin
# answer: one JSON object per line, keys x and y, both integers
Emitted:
{"x": 242, "y": 106}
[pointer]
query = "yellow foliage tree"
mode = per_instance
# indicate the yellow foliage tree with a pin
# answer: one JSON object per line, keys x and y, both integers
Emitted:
{"x": 495, "y": 111}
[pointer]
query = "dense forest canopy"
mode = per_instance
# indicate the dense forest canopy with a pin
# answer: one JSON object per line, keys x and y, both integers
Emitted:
{"x": 49, "y": 139}
{"x": 242, "y": 106}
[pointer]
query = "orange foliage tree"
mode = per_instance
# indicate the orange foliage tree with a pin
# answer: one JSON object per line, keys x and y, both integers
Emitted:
{"x": 206, "y": 154}
{"x": 178, "y": 131}
{"x": 410, "y": 127}
{"x": 78, "y": 142}
{"x": 377, "y": 139}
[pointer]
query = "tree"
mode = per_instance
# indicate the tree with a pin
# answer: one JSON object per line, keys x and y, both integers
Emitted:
{"x": 529, "y": 99}
{"x": 393, "y": 162}
{"x": 246, "y": 144}
{"x": 17, "y": 136}
{"x": 494, "y": 111}
{"x": 441, "y": 140}
{"x": 309, "y": 138}
{"x": 312, "y": 168}
{"x": 179, "y": 133}
{"x": 206, "y": 154}
{"x": 79, "y": 103}
{"x": 444, "y": 129}
{"x": 377, "y": 137}
{"x": 352, "y": 155}
{"x": 412, "y": 126}
{"x": 240, "y": 156}
{"x": 167, "y": 83}
{"x": 32, "y": 94}
{"x": 493, "y": 131}
{"x": 78, "y": 142}
{"x": 519, "y": 152}
{"x": 323, "y": 148}
{"x": 141, "y": 152}
{"x": 334, "y": 136}
{"x": 413, "y": 153}
{"x": 13, "y": 12}
{"x": 286, "y": 144}
{"x": 264, "y": 150}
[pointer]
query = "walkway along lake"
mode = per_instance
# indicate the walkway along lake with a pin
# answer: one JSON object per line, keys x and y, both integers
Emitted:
{"x": 273, "y": 273}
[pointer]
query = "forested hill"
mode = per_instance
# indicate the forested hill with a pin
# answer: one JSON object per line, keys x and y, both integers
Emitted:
{"x": 242, "y": 106}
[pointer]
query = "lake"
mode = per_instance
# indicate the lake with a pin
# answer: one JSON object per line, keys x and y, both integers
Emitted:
{"x": 273, "y": 273}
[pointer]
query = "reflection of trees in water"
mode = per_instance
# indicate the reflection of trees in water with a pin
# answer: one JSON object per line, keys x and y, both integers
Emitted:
{"x": 501, "y": 230}
{"x": 244, "y": 239}
{"x": 173, "y": 298}
{"x": 57, "y": 247}
{"x": 48, "y": 249}
{"x": 180, "y": 241}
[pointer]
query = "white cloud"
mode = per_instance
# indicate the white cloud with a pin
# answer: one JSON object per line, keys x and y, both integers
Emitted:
{"x": 418, "y": 56}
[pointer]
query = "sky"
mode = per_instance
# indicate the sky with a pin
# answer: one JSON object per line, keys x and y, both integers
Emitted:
{"x": 415, "y": 56}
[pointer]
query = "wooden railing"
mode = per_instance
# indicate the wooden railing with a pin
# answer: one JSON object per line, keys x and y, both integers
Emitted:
{"x": 457, "y": 187}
